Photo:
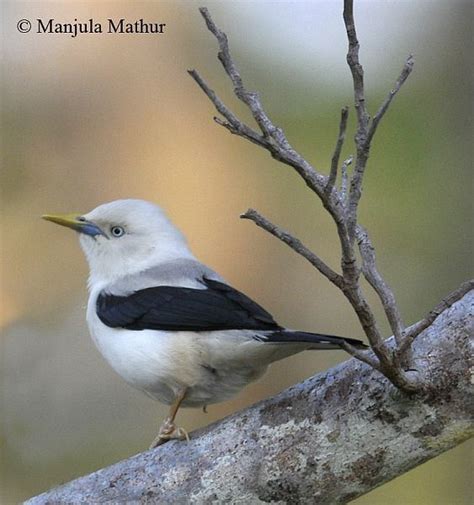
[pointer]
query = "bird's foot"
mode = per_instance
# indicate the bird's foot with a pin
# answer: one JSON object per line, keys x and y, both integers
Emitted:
{"x": 169, "y": 431}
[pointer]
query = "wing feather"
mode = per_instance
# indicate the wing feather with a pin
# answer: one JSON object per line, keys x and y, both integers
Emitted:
{"x": 217, "y": 307}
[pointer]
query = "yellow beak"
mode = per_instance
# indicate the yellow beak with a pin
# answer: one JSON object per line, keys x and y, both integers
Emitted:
{"x": 76, "y": 222}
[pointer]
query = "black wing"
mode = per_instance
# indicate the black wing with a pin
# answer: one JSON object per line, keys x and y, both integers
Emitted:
{"x": 218, "y": 307}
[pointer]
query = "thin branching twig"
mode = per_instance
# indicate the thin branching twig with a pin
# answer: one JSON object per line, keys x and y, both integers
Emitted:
{"x": 341, "y": 201}
{"x": 337, "y": 149}
{"x": 369, "y": 269}
{"x": 344, "y": 178}
{"x": 295, "y": 244}
{"x": 443, "y": 305}
{"x": 406, "y": 71}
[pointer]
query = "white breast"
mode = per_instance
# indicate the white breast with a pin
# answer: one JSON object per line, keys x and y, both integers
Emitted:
{"x": 148, "y": 360}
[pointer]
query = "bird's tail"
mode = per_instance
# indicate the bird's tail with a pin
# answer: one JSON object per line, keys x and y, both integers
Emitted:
{"x": 316, "y": 340}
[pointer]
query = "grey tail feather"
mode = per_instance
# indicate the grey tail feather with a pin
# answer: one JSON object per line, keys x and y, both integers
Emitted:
{"x": 319, "y": 340}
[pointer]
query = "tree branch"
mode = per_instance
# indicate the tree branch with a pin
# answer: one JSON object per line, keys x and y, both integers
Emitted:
{"x": 233, "y": 124}
{"x": 385, "y": 293}
{"x": 445, "y": 303}
{"x": 406, "y": 71}
{"x": 248, "y": 97}
{"x": 355, "y": 296}
{"x": 356, "y": 68}
{"x": 340, "y": 203}
{"x": 272, "y": 138}
{"x": 344, "y": 179}
{"x": 365, "y": 128}
{"x": 337, "y": 149}
{"x": 295, "y": 244}
{"x": 327, "y": 440}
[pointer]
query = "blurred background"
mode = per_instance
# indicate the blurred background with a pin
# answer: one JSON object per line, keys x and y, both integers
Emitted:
{"x": 91, "y": 119}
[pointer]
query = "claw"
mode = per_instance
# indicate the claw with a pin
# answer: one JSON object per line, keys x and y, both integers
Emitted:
{"x": 183, "y": 434}
{"x": 169, "y": 431}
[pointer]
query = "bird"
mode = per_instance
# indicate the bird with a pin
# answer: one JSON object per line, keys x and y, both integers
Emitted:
{"x": 166, "y": 323}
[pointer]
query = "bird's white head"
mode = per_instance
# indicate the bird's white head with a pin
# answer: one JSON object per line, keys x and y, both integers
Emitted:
{"x": 124, "y": 237}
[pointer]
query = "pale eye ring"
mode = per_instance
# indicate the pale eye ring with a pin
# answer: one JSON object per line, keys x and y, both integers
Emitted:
{"x": 117, "y": 231}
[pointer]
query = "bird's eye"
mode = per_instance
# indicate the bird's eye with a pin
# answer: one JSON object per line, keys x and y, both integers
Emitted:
{"x": 117, "y": 231}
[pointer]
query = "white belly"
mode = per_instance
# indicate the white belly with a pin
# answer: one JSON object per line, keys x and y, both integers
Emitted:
{"x": 143, "y": 358}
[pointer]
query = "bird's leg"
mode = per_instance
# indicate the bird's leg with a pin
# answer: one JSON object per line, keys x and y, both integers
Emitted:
{"x": 169, "y": 430}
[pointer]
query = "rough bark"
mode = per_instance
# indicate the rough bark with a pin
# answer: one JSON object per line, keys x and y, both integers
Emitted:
{"x": 327, "y": 440}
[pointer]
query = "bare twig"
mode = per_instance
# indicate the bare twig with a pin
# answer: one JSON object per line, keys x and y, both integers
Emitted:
{"x": 413, "y": 332}
{"x": 233, "y": 124}
{"x": 344, "y": 179}
{"x": 353, "y": 294}
{"x": 342, "y": 208}
{"x": 337, "y": 149}
{"x": 369, "y": 269}
{"x": 342, "y": 204}
{"x": 356, "y": 69}
{"x": 365, "y": 132}
{"x": 273, "y": 138}
{"x": 365, "y": 128}
{"x": 295, "y": 244}
{"x": 249, "y": 98}
{"x": 363, "y": 119}
{"x": 368, "y": 322}
{"x": 406, "y": 71}
{"x": 363, "y": 356}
